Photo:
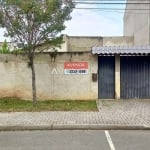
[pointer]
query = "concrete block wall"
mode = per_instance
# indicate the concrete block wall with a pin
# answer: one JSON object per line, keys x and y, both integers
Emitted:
{"x": 52, "y": 83}
{"x": 118, "y": 41}
{"x": 86, "y": 43}
{"x": 81, "y": 43}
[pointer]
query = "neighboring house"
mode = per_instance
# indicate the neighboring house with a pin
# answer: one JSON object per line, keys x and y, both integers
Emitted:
{"x": 137, "y": 21}
{"x": 124, "y": 71}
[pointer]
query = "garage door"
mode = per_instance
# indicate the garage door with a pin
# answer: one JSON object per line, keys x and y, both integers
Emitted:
{"x": 106, "y": 73}
{"x": 135, "y": 77}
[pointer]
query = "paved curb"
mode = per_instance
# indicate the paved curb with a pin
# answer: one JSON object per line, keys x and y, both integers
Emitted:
{"x": 75, "y": 127}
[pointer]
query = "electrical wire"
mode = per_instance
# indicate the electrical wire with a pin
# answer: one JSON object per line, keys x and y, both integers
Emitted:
{"x": 107, "y": 0}
{"x": 112, "y": 2}
{"x": 117, "y": 11}
{"x": 108, "y": 3}
{"x": 108, "y": 8}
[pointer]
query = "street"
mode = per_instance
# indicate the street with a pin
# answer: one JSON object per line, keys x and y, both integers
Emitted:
{"x": 75, "y": 140}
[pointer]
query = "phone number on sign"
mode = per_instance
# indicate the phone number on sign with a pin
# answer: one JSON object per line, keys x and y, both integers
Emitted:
{"x": 76, "y": 71}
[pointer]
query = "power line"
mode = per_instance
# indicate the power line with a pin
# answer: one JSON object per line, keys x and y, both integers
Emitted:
{"x": 101, "y": 0}
{"x": 108, "y": 3}
{"x": 107, "y": 8}
{"x": 106, "y": 0}
{"x": 115, "y": 11}
{"x": 122, "y": 12}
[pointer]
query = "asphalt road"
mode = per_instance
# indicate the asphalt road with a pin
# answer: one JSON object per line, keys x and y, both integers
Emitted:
{"x": 75, "y": 140}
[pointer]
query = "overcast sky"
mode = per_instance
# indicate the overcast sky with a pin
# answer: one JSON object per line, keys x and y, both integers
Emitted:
{"x": 96, "y": 22}
{"x": 93, "y": 22}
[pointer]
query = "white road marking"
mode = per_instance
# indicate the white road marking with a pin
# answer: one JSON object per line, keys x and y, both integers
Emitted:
{"x": 111, "y": 145}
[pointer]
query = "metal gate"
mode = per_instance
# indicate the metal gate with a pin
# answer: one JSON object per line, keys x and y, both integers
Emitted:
{"x": 135, "y": 77}
{"x": 106, "y": 80}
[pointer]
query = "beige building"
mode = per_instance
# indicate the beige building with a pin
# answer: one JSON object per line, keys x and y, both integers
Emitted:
{"x": 137, "y": 21}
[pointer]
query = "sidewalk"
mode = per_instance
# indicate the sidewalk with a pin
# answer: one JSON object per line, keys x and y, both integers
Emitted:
{"x": 127, "y": 114}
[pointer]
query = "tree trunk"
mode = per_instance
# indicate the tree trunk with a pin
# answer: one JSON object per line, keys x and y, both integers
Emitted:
{"x": 34, "y": 98}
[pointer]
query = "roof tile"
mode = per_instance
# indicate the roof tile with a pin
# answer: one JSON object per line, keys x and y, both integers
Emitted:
{"x": 121, "y": 50}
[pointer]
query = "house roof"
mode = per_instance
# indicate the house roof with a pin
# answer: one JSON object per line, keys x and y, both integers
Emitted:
{"x": 122, "y": 50}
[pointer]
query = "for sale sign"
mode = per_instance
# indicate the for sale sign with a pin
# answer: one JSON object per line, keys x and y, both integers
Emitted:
{"x": 76, "y": 67}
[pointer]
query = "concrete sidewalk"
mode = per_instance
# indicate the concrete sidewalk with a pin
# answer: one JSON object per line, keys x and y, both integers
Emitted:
{"x": 127, "y": 114}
